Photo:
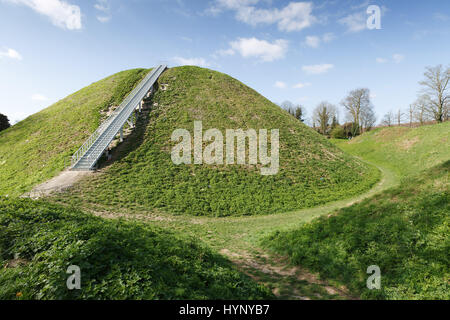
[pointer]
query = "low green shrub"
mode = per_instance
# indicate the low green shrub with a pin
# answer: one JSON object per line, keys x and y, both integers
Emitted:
{"x": 338, "y": 133}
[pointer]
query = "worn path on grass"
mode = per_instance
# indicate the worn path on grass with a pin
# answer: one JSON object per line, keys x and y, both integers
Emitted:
{"x": 238, "y": 238}
{"x": 287, "y": 281}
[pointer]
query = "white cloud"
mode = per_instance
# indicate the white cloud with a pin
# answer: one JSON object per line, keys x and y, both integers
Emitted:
{"x": 227, "y": 52}
{"x": 234, "y": 4}
{"x": 441, "y": 17}
{"x": 103, "y": 7}
{"x": 261, "y": 49}
{"x": 362, "y": 5}
{"x": 312, "y": 41}
{"x": 103, "y": 19}
{"x": 39, "y": 97}
{"x": 398, "y": 57}
{"x": 354, "y": 22}
{"x": 191, "y": 61}
{"x": 301, "y": 85}
{"x": 10, "y": 53}
{"x": 318, "y": 68}
{"x": 294, "y": 17}
{"x": 61, "y": 13}
{"x": 357, "y": 21}
{"x": 315, "y": 41}
{"x": 280, "y": 85}
{"x": 328, "y": 37}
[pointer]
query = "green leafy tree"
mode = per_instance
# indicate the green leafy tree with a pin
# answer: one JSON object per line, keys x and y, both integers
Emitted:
{"x": 4, "y": 122}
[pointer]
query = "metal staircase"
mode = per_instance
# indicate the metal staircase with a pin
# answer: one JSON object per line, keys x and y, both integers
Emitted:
{"x": 87, "y": 156}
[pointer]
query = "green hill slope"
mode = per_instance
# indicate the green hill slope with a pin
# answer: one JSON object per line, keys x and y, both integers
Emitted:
{"x": 35, "y": 149}
{"x": 117, "y": 259}
{"x": 403, "y": 230}
{"x": 312, "y": 170}
{"x": 403, "y": 150}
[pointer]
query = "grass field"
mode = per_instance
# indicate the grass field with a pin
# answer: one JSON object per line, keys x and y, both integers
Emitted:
{"x": 36, "y": 149}
{"x": 312, "y": 170}
{"x": 145, "y": 257}
{"x": 118, "y": 260}
{"x": 164, "y": 231}
{"x": 404, "y": 150}
{"x": 403, "y": 230}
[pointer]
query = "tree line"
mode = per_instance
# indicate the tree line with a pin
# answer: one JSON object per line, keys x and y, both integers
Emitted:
{"x": 297, "y": 111}
{"x": 433, "y": 104}
{"x": 359, "y": 110}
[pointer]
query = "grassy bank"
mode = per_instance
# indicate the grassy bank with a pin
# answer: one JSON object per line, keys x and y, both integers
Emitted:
{"x": 312, "y": 170}
{"x": 36, "y": 149}
{"x": 403, "y": 230}
{"x": 406, "y": 151}
{"x": 118, "y": 260}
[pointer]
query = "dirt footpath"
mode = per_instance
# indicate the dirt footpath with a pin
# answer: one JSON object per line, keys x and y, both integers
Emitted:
{"x": 63, "y": 181}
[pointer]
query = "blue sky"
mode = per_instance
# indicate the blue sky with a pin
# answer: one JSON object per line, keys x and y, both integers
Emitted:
{"x": 302, "y": 51}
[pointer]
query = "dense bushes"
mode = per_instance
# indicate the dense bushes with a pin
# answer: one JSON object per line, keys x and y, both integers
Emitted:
{"x": 118, "y": 260}
{"x": 4, "y": 122}
{"x": 405, "y": 231}
{"x": 338, "y": 133}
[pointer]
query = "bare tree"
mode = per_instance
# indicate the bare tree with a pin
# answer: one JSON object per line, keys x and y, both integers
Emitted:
{"x": 300, "y": 113}
{"x": 399, "y": 117}
{"x": 388, "y": 119}
{"x": 421, "y": 115}
{"x": 368, "y": 119}
{"x": 323, "y": 116}
{"x": 436, "y": 87}
{"x": 288, "y": 106}
{"x": 356, "y": 103}
{"x": 296, "y": 111}
{"x": 412, "y": 111}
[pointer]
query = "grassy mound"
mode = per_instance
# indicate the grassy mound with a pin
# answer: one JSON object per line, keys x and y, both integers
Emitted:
{"x": 118, "y": 260}
{"x": 404, "y": 231}
{"x": 404, "y": 150}
{"x": 35, "y": 149}
{"x": 312, "y": 170}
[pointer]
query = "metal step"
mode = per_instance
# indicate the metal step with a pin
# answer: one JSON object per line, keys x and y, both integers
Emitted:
{"x": 89, "y": 153}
